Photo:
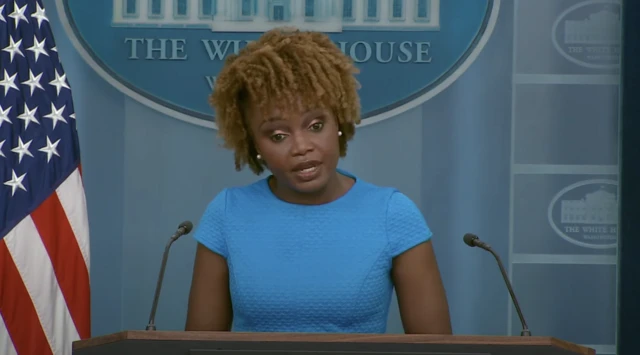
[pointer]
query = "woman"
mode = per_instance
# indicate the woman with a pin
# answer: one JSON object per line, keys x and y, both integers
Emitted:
{"x": 310, "y": 248}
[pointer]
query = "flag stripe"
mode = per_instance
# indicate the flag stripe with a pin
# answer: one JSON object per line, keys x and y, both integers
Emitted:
{"x": 67, "y": 261}
{"x": 20, "y": 319}
{"x": 44, "y": 274}
{"x": 6, "y": 347}
{"x": 72, "y": 198}
{"x": 33, "y": 264}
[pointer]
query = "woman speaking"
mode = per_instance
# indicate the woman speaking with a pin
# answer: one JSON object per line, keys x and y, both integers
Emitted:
{"x": 310, "y": 247}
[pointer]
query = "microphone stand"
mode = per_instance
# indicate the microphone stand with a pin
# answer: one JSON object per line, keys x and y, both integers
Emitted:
{"x": 184, "y": 228}
{"x": 525, "y": 329}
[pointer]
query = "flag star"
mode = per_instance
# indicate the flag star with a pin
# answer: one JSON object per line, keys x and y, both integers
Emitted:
{"x": 1, "y": 11}
{"x": 60, "y": 82}
{"x": 40, "y": 15}
{"x": 8, "y": 82}
{"x": 1, "y": 153}
{"x": 15, "y": 182}
{"x": 18, "y": 14}
{"x": 73, "y": 115}
{"x": 56, "y": 115}
{"x": 28, "y": 116}
{"x": 33, "y": 82}
{"x": 50, "y": 149}
{"x": 13, "y": 48}
{"x": 4, "y": 115}
{"x": 22, "y": 149}
{"x": 55, "y": 49}
{"x": 38, "y": 47}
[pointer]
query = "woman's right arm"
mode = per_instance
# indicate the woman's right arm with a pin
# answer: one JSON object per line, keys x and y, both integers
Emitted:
{"x": 209, "y": 299}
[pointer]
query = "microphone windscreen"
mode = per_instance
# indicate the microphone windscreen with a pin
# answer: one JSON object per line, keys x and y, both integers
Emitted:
{"x": 469, "y": 238}
{"x": 187, "y": 225}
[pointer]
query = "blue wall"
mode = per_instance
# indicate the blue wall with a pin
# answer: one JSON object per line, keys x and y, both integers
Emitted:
{"x": 146, "y": 172}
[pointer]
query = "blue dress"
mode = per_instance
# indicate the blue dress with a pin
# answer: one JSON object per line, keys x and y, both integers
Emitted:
{"x": 302, "y": 268}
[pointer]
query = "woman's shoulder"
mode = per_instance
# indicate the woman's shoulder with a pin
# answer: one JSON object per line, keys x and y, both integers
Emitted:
{"x": 401, "y": 210}
{"x": 243, "y": 195}
{"x": 235, "y": 202}
{"x": 390, "y": 195}
{"x": 251, "y": 190}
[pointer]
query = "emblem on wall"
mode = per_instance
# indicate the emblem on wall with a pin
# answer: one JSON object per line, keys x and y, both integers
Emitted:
{"x": 166, "y": 53}
{"x": 589, "y": 34}
{"x": 586, "y": 214}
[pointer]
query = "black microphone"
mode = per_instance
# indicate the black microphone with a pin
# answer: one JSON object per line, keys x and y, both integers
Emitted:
{"x": 184, "y": 228}
{"x": 472, "y": 240}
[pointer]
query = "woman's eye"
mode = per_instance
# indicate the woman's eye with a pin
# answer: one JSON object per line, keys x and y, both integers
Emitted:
{"x": 277, "y": 137}
{"x": 317, "y": 126}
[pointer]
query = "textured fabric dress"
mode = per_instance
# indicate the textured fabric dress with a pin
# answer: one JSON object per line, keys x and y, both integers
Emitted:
{"x": 320, "y": 268}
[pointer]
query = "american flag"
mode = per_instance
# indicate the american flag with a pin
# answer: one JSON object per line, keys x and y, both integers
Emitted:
{"x": 44, "y": 251}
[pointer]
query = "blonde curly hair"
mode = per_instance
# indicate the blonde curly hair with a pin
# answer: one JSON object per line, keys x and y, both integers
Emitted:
{"x": 287, "y": 67}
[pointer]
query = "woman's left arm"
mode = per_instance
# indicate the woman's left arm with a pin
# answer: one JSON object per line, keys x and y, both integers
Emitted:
{"x": 421, "y": 297}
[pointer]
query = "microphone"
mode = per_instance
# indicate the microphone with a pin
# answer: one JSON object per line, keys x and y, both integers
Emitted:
{"x": 184, "y": 228}
{"x": 472, "y": 240}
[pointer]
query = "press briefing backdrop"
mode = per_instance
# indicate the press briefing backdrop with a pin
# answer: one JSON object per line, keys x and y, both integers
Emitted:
{"x": 502, "y": 121}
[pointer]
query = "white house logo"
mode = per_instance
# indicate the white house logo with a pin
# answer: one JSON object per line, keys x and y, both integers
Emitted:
{"x": 166, "y": 53}
{"x": 586, "y": 214}
{"x": 589, "y": 34}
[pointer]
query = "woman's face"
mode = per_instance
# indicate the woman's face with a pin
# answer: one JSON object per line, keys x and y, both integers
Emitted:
{"x": 300, "y": 148}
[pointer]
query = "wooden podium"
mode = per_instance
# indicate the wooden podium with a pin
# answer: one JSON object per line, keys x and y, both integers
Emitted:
{"x": 201, "y": 343}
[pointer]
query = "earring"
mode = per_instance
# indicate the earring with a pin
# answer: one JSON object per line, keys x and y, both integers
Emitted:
{"x": 259, "y": 157}
{"x": 339, "y": 133}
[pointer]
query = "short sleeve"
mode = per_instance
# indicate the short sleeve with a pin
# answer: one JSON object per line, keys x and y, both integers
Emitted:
{"x": 210, "y": 230}
{"x": 406, "y": 227}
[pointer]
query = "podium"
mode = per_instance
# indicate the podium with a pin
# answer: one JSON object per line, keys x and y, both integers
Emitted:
{"x": 217, "y": 343}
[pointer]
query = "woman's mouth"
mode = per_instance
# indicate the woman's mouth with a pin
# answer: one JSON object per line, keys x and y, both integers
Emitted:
{"x": 307, "y": 171}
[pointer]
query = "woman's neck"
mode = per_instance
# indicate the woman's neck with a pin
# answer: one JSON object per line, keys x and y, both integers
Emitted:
{"x": 336, "y": 187}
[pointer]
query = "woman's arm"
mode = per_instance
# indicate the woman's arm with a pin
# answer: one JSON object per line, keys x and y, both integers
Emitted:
{"x": 421, "y": 296}
{"x": 209, "y": 299}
